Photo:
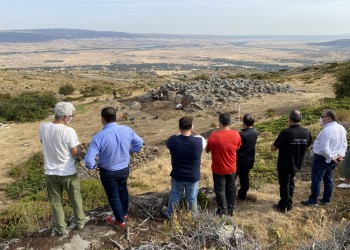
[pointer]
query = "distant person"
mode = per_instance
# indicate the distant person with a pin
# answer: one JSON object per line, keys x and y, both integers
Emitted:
{"x": 291, "y": 143}
{"x": 186, "y": 150}
{"x": 113, "y": 145}
{"x": 223, "y": 145}
{"x": 60, "y": 146}
{"x": 329, "y": 149}
{"x": 246, "y": 154}
{"x": 180, "y": 105}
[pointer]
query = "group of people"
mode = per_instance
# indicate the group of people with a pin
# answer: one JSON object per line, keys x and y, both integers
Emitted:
{"x": 232, "y": 152}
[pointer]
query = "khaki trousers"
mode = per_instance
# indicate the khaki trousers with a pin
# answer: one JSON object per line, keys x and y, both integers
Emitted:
{"x": 55, "y": 186}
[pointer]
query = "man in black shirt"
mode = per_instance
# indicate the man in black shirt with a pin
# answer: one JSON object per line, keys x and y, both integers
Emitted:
{"x": 246, "y": 154}
{"x": 292, "y": 144}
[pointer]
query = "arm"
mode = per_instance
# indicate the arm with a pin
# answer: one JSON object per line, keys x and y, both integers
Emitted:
{"x": 76, "y": 151}
{"x": 91, "y": 154}
{"x": 273, "y": 147}
{"x": 136, "y": 143}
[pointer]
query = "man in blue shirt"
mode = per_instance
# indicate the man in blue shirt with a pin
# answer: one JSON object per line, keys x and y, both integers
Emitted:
{"x": 186, "y": 150}
{"x": 113, "y": 145}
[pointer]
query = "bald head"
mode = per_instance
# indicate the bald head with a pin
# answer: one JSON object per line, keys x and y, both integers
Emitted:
{"x": 295, "y": 116}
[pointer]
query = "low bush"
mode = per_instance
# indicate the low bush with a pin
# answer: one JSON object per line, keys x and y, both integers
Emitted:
{"x": 96, "y": 90}
{"x": 29, "y": 177}
{"x": 342, "y": 87}
{"x": 23, "y": 218}
{"x": 66, "y": 89}
{"x": 28, "y": 106}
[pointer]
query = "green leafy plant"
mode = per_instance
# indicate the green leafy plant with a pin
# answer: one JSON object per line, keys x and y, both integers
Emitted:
{"x": 66, "y": 89}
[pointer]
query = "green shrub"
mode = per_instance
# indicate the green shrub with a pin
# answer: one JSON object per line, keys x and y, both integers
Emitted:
{"x": 29, "y": 177}
{"x": 97, "y": 90}
{"x": 23, "y": 218}
{"x": 66, "y": 89}
{"x": 28, "y": 106}
{"x": 342, "y": 87}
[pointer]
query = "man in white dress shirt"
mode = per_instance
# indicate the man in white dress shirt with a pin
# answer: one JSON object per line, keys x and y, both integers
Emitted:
{"x": 329, "y": 149}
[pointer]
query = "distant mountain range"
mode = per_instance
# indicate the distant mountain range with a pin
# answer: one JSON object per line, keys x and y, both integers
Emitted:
{"x": 341, "y": 43}
{"x": 46, "y": 35}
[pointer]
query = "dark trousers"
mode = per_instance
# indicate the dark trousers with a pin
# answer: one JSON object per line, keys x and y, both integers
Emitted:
{"x": 115, "y": 185}
{"x": 321, "y": 171}
{"x": 243, "y": 173}
{"x": 287, "y": 185}
{"x": 225, "y": 192}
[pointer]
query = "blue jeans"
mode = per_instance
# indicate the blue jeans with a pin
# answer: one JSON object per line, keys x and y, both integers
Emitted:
{"x": 177, "y": 189}
{"x": 115, "y": 185}
{"x": 321, "y": 171}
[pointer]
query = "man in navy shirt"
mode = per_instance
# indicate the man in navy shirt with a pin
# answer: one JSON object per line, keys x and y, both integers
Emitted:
{"x": 186, "y": 150}
{"x": 113, "y": 145}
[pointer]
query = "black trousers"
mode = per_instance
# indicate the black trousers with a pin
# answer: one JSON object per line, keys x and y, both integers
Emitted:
{"x": 225, "y": 192}
{"x": 243, "y": 173}
{"x": 286, "y": 181}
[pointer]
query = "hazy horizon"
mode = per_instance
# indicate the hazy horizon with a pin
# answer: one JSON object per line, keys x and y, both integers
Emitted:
{"x": 191, "y": 17}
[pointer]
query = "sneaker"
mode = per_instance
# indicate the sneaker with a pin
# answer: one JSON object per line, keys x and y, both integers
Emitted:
{"x": 342, "y": 179}
{"x": 279, "y": 209}
{"x": 112, "y": 221}
{"x": 307, "y": 203}
{"x": 57, "y": 232}
{"x": 165, "y": 213}
{"x": 343, "y": 185}
{"x": 323, "y": 203}
{"x": 80, "y": 227}
{"x": 126, "y": 217}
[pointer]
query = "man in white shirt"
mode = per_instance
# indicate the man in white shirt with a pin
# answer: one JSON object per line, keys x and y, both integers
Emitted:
{"x": 329, "y": 149}
{"x": 60, "y": 146}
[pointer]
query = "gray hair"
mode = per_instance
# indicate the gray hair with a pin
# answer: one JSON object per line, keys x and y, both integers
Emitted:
{"x": 64, "y": 109}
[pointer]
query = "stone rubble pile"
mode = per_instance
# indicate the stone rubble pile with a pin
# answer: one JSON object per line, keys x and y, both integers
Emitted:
{"x": 146, "y": 154}
{"x": 216, "y": 91}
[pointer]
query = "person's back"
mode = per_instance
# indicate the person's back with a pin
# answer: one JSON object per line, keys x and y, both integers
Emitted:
{"x": 185, "y": 157}
{"x": 223, "y": 145}
{"x": 113, "y": 144}
{"x": 292, "y": 146}
{"x": 57, "y": 139}
{"x": 246, "y": 153}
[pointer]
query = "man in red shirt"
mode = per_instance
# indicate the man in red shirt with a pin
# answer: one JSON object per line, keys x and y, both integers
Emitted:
{"x": 223, "y": 145}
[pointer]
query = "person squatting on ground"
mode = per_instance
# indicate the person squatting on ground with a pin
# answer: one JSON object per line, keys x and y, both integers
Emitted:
{"x": 113, "y": 145}
{"x": 60, "y": 146}
{"x": 329, "y": 149}
{"x": 291, "y": 143}
{"x": 246, "y": 154}
{"x": 186, "y": 149}
{"x": 223, "y": 145}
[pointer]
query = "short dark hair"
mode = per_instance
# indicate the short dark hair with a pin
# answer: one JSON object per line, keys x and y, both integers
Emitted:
{"x": 295, "y": 115}
{"x": 109, "y": 114}
{"x": 248, "y": 120}
{"x": 185, "y": 123}
{"x": 331, "y": 113}
{"x": 225, "y": 119}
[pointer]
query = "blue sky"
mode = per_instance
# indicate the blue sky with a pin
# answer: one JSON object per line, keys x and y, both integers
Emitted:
{"x": 215, "y": 17}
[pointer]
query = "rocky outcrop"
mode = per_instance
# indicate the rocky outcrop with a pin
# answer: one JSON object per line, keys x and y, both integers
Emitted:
{"x": 216, "y": 91}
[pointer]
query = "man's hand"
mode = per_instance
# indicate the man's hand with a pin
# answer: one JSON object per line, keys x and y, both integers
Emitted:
{"x": 338, "y": 159}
